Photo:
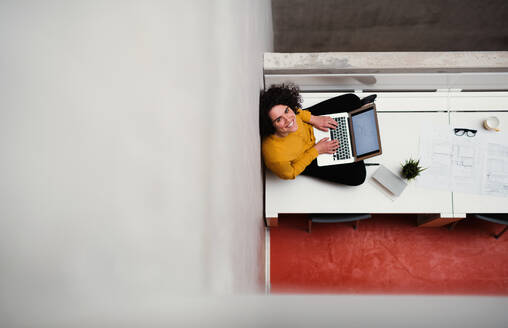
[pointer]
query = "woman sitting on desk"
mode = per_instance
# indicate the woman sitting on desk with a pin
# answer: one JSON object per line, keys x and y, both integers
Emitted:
{"x": 289, "y": 147}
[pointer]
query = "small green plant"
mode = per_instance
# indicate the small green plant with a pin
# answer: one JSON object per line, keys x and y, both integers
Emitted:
{"x": 411, "y": 169}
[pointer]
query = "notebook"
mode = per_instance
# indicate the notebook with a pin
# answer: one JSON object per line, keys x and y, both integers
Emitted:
{"x": 389, "y": 180}
{"x": 358, "y": 135}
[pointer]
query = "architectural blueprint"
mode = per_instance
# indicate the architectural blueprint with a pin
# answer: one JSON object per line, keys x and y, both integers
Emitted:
{"x": 476, "y": 164}
{"x": 495, "y": 181}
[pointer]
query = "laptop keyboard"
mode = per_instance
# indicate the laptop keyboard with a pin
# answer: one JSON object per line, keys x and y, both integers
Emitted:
{"x": 341, "y": 134}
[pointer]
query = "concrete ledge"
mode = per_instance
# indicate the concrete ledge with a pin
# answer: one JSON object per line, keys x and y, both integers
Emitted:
{"x": 385, "y": 62}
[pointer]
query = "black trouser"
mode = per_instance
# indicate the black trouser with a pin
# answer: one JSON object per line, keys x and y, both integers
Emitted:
{"x": 352, "y": 174}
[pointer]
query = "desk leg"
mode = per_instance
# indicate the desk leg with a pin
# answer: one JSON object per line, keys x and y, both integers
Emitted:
{"x": 272, "y": 222}
{"x": 434, "y": 220}
{"x": 452, "y": 226}
{"x": 502, "y": 232}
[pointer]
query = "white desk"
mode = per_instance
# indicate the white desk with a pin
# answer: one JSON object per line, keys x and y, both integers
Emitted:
{"x": 392, "y": 101}
{"x": 400, "y": 141}
{"x": 400, "y": 116}
{"x": 478, "y": 101}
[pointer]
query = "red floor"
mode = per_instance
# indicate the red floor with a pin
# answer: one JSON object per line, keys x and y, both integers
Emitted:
{"x": 388, "y": 255}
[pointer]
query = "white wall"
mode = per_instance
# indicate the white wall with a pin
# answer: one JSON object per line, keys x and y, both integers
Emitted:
{"x": 130, "y": 166}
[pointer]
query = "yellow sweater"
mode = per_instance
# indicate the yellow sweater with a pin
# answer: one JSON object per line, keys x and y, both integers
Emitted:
{"x": 289, "y": 156}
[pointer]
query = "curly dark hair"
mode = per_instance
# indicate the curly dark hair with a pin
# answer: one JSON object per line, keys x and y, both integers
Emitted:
{"x": 283, "y": 94}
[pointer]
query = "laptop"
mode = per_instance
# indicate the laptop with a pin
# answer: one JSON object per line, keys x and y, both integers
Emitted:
{"x": 358, "y": 135}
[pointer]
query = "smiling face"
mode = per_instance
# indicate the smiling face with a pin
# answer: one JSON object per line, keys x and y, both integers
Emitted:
{"x": 283, "y": 120}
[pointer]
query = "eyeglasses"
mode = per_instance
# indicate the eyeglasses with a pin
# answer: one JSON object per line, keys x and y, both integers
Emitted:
{"x": 460, "y": 132}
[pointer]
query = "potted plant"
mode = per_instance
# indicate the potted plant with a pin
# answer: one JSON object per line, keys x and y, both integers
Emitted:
{"x": 411, "y": 169}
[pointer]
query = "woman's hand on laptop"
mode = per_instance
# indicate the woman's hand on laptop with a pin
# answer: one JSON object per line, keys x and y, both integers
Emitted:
{"x": 323, "y": 123}
{"x": 325, "y": 146}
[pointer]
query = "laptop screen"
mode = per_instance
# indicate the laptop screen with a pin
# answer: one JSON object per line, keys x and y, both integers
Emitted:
{"x": 365, "y": 132}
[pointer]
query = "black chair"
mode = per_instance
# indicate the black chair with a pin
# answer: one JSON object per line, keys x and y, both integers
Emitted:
{"x": 368, "y": 99}
{"x": 331, "y": 218}
{"x": 496, "y": 218}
